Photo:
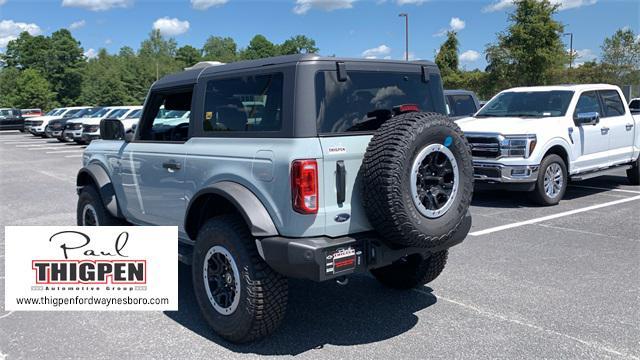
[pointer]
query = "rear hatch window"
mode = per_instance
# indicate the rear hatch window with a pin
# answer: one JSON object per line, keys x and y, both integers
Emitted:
{"x": 367, "y": 98}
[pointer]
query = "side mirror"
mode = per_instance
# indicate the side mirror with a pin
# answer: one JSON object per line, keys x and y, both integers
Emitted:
{"x": 112, "y": 129}
{"x": 587, "y": 118}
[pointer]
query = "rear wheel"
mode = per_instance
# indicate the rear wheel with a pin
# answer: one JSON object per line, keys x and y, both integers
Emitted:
{"x": 239, "y": 295}
{"x": 552, "y": 181}
{"x": 633, "y": 174}
{"x": 412, "y": 270}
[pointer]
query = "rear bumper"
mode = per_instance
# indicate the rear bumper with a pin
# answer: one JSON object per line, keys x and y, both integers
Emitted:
{"x": 325, "y": 258}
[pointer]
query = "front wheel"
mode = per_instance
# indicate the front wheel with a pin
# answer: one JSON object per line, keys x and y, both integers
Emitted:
{"x": 412, "y": 270}
{"x": 92, "y": 212}
{"x": 552, "y": 181}
{"x": 239, "y": 295}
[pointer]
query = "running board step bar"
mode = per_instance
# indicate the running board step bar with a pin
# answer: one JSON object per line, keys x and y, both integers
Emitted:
{"x": 596, "y": 173}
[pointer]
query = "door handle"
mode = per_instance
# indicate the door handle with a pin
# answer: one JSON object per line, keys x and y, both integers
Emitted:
{"x": 171, "y": 165}
{"x": 604, "y": 130}
{"x": 629, "y": 127}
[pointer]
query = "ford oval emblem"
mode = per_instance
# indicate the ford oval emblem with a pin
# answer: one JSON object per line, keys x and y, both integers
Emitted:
{"x": 342, "y": 217}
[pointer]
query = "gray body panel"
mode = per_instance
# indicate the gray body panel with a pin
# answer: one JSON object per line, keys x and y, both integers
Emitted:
{"x": 260, "y": 162}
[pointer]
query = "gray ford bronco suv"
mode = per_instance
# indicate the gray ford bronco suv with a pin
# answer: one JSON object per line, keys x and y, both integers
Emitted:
{"x": 297, "y": 166}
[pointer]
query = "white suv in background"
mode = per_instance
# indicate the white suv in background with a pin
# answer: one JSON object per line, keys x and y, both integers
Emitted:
{"x": 91, "y": 127}
{"x": 538, "y": 138}
{"x": 37, "y": 125}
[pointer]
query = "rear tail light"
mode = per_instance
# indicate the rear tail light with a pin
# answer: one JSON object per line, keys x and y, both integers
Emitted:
{"x": 304, "y": 186}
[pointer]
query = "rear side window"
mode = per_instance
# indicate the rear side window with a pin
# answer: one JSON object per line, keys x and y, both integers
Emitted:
{"x": 612, "y": 103}
{"x": 244, "y": 104}
{"x": 588, "y": 102}
{"x": 366, "y": 99}
{"x": 461, "y": 105}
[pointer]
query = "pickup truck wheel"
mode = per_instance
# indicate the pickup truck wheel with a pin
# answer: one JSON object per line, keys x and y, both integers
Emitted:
{"x": 239, "y": 295}
{"x": 412, "y": 271}
{"x": 552, "y": 181}
{"x": 417, "y": 179}
{"x": 633, "y": 174}
{"x": 91, "y": 212}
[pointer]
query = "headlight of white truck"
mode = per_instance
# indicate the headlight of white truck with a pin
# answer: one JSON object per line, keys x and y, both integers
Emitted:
{"x": 517, "y": 145}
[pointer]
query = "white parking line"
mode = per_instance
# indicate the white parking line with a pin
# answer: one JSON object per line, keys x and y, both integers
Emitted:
{"x": 64, "y": 151}
{"x": 601, "y": 188}
{"x": 39, "y": 145}
{"x": 551, "y": 217}
{"x": 497, "y": 316}
{"x": 73, "y": 156}
{"x": 47, "y": 148}
{"x": 14, "y": 142}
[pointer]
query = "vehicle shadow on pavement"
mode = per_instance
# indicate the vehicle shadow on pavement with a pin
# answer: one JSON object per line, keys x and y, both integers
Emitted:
{"x": 319, "y": 314}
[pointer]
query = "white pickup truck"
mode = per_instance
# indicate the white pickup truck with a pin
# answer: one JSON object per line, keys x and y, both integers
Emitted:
{"x": 537, "y": 139}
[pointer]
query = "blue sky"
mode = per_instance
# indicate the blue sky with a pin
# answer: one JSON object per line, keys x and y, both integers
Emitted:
{"x": 354, "y": 28}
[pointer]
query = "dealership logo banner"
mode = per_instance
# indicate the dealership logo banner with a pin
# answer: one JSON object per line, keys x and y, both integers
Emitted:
{"x": 62, "y": 268}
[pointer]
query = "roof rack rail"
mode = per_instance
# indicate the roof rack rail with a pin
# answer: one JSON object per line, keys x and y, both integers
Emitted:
{"x": 204, "y": 64}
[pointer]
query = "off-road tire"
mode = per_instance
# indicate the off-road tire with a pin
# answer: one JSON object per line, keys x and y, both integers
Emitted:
{"x": 633, "y": 174}
{"x": 412, "y": 271}
{"x": 90, "y": 197}
{"x": 386, "y": 179}
{"x": 263, "y": 292}
{"x": 538, "y": 195}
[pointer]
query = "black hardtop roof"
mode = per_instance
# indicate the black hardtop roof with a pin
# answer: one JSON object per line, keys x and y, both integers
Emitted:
{"x": 191, "y": 76}
{"x": 458, "y": 92}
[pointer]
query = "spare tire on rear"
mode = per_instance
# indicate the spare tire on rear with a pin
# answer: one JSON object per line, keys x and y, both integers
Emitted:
{"x": 417, "y": 179}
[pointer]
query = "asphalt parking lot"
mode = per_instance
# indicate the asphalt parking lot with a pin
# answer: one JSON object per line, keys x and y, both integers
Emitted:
{"x": 529, "y": 282}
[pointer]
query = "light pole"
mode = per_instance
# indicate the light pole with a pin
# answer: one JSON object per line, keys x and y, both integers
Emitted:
{"x": 570, "y": 48}
{"x": 406, "y": 35}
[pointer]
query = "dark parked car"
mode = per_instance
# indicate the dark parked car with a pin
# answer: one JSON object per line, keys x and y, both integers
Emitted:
{"x": 11, "y": 119}
{"x": 461, "y": 103}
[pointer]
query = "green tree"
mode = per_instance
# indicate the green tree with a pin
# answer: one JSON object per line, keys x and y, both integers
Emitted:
{"x": 103, "y": 82}
{"x": 259, "y": 47}
{"x": 223, "y": 49}
{"x": 157, "y": 46}
{"x": 622, "y": 52}
{"x": 188, "y": 55}
{"x": 33, "y": 90}
{"x": 28, "y": 51}
{"x": 447, "y": 58}
{"x": 299, "y": 44}
{"x": 8, "y": 86}
{"x": 530, "y": 51}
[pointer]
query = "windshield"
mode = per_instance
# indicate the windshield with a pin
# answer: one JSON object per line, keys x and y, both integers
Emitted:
{"x": 86, "y": 112}
{"x": 117, "y": 113}
{"x": 134, "y": 114}
{"x": 367, "y": 98}
{"x": 54, "y": 112}
{"x": 5, "y": 112}
{"x": 72, "y": 113}
{"x": 527, "y": 104}
{"x": 99, "y": 113}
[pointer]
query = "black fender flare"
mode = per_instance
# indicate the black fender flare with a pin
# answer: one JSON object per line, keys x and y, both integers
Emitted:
{"x": 104, "y": 186}
{"x": 245, "y": 201}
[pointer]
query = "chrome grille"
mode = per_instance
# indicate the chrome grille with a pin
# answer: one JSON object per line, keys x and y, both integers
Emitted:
{"x": 484, "y": 146}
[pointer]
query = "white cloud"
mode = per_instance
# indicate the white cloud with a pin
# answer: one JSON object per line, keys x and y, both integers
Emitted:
{"x": 205, "y": 4}
{"x": 303, "y": 6}
{"x": 108, "y": 41}
{"x": 411, "y": 2}
{"x": 77, "y": 24}
{"x": 580, "y": 56}
{"x": 469, "y": 56}
{"x": 97, "y": 5}
{"x": 455, "y": 24}
{"x": 9, "y": 30}
{"x": 412, "y": 56}
{"x": 90, "y": 54}
{"x": 2, "y": 2}
{"x": 564, "y": 4}
{"x": 171, "y": 26}
{"x": 376, "y": 52}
